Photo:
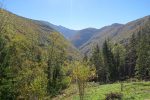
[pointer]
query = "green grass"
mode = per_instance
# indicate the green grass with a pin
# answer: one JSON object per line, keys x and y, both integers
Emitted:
{"x": 131, "y": 91}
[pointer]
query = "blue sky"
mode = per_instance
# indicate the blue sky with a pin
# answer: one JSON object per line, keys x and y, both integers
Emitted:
{"x": 79, "y": 14}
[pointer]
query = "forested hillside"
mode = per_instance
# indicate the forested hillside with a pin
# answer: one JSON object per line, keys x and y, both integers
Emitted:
{"x": 121, "y": 61}
{"x": 115, "y": 33}
{"x": 31, "y": 58}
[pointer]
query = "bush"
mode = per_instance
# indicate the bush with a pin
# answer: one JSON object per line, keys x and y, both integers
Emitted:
{"x": 66, "y": 82}
{"x": 132, "y": 80}
{"x": 114, "y": 96}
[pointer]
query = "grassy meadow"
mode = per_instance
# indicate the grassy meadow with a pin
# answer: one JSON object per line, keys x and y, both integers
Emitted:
{"x": 94, "y": 91}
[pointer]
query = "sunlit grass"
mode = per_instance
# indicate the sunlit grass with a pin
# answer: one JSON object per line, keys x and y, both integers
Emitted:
{"x": 131, "y": 91}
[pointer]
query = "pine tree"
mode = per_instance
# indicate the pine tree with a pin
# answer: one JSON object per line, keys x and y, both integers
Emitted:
{"x": 131, "y": 56}
{"x": 143, "y": 54}
{"x": 97, "y": 60}
{"x": 109, "y": 62}
{"x": 119, "y": 53}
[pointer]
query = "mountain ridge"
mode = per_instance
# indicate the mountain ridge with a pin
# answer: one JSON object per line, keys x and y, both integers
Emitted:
{"x": 66, "y": 32}
{"x": 40, "y": 34}
{"x": 114, "y": 33}
{"x": 85, "y": 39}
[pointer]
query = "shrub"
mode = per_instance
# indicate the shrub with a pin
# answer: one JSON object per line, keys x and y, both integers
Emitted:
{"x": 66, "y": 82}
{"x": 114, "y": 96}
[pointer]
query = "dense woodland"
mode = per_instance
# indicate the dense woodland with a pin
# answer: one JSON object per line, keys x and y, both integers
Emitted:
{"x": 122, "y": 61}
{"x": 31, "y": 71}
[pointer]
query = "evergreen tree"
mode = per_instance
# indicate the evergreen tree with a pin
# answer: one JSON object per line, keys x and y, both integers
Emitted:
{"x": 143, "y": 54}
{"x": 119, "y": 53}
{"x": 108, "y": 62}
{"x": 97, "y": 60}
{"x": 131, "y": 56}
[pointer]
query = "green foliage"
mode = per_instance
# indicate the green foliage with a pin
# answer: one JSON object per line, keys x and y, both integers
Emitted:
{"x": 119, "y": 53}
{"x": 66, "y": 81}
{"x": 6, "y": 76}
{"x": 114, "y": 61}
{"x": 27, "y": 79}
{"x": 56, "y": 59}
{"x": 81, "y": 73}
{"x": 32, "y": 58}
{"x": 31, "y": 81}
{"x": 143, "y": 55}
{"x": 117, "y": 61}
{"x": 98, "y": 62}
{"x": 109, "y": 62}
{"x": 131, "y": 56}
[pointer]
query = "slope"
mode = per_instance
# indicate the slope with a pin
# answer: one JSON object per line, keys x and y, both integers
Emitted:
{"x": 66, "y": 32}
{"x": 115, "y": 33}
{"x": 83, "y": 36}
{"x": 37, "y": 33}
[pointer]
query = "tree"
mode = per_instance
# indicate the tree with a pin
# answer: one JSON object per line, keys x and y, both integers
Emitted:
{"x": 131, "y": 56}
{"x": 119, "y": 53}
{"x": 81, "y": 73}
{"x": 97, "y": 61}
{"x": 143, "y": 54}
{"x": 24, "y": 73}
{"x": 31, "y": 81}
{"x": 109, "y": 62}
{"x": 56, "y": 59}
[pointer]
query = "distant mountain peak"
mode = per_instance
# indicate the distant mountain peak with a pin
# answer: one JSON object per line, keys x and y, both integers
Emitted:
{"x": 66, "y": 32}
{"x": 116, "y": 24}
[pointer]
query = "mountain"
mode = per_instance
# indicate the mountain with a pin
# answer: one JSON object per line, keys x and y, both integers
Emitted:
{"x": 83, "y": 36}
{"x": 40, "y": 34}
{"x": 115, "y": 33}
{"x": 83, "y": 39}
{"x": 66, "y": 32}
{"x": 100, "y": 36}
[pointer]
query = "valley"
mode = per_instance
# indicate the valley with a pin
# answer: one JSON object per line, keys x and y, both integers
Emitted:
{"x": 43, "y": 61}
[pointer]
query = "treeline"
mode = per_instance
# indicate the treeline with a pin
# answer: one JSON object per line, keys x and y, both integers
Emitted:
{"x": 119, "y": 62}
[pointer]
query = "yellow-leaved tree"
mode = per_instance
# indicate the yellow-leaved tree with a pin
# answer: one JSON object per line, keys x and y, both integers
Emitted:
{"x": 81, "y": 73}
